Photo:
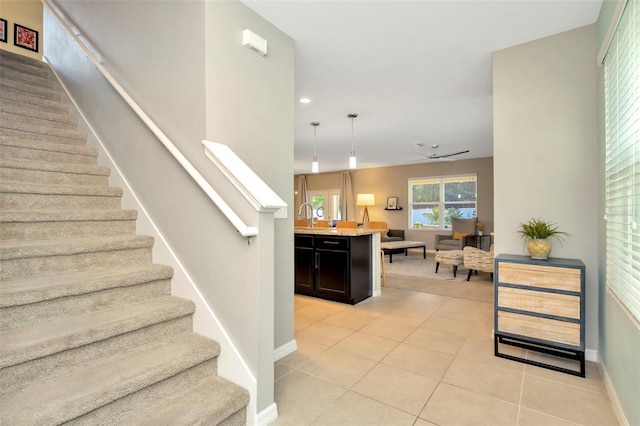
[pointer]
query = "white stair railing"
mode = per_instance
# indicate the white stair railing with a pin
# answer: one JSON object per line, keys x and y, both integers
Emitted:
{"x": 254, "y": 189}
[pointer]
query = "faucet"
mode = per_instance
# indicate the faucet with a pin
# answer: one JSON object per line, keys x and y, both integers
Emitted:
{"x": 308, "y": 209}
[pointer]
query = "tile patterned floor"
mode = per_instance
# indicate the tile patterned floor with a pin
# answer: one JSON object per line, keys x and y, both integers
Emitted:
{"x": 408, "y": 358}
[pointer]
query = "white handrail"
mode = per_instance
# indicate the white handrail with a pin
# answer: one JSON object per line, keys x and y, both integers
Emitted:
{"x": 243, "y": 229}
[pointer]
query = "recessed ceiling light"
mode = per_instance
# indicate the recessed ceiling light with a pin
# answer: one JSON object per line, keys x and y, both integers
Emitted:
{"x": 305, "y": 100}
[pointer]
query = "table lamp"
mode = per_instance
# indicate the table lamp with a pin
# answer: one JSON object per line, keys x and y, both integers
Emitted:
{"x": 365, "y": 200}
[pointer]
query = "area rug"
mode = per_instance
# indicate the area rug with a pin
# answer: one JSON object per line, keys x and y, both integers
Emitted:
{"x": 414, "y": 273}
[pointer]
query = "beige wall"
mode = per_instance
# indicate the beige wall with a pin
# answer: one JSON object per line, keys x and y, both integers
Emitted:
{"x": 545, "y": 149}
{"x": 27, "y": 13}
{"x": 254, "y": 116}
{"x": 393, "y": 181}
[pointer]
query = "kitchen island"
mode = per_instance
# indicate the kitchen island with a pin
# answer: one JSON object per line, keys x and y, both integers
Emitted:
{"x": 338, "y": 264}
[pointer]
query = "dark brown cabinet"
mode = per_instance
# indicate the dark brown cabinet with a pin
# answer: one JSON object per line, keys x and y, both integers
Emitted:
{"x": 333, "y": 267}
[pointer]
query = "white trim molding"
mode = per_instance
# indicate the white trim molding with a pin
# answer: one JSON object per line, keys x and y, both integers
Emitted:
{"x": 266, "y": 416}
{"x": 613, "y": 396}
{"x": 284, "y": 350}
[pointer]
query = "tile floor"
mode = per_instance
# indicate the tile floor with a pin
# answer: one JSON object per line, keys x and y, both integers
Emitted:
{"x": 408, "y": 358}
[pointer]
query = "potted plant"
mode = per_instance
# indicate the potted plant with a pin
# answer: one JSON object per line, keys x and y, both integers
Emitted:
{"x": 479, "y": 228}
{"x": 535, "y": 233}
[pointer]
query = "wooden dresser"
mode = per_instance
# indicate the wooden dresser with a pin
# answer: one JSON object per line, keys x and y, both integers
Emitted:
{"x": 539, "y": 306}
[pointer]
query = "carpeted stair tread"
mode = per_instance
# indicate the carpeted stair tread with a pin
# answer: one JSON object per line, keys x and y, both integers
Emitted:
{"x": 31, "y": 68}
{"x": 71, "y": 168}
{"x": 27, "y": 68}
{"x": 35, "y": 188}
{"x": 37, "y": 340}
{"x": 18, "y": 108}
{"x": 18, "y": 249}
{"x": 51, "y": 224}
{"x": 19, "y": 121}
{"x": 44, "y": 137}
{"x": 34, "y": 80}
{"x": 85, "y": 389}
{"x": 57, "y": 177}
{"x": 31, "y": 90}
{"x": 48, "y": 146}
{"x": 15, "y": 123}
{"x": 7, "y": 57}
{"x": 65, "y": 215}
{"x": 46, "y": 151}
{"x": 48, "y": 105}
{"x": 209, "y": 403}
{"x": 38, "y": 289}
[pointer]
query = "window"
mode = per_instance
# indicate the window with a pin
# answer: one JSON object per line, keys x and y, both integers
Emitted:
{"x": 622, "y": 167}
{"x": 326, "y": 204}
{"x": 434, "y": 201}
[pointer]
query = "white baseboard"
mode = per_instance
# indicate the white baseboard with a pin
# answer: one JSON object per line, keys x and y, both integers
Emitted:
{"x": 268, "y": 415}
{"x": 284, "y": 350}
{"x": 613, "y": 396}
{"x": 591, "y": 355}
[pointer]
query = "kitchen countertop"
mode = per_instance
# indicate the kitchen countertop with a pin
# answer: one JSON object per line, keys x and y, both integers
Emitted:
{"x": 348, "y": 232}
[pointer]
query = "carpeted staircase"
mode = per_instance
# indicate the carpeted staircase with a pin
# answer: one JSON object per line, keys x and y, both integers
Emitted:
{"x": 89, "y": 332}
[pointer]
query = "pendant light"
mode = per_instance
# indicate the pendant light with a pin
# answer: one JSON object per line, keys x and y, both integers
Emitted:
{"x": 352, "y": 157}
{"x": 314, "y": 164}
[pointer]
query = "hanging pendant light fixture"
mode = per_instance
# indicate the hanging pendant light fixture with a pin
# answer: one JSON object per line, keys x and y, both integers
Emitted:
{"x": 352, "y": 157}
{"x": 314, "y": 164}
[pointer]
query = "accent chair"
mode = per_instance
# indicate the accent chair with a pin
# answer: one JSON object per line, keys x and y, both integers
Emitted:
{"x": 457, "y": 240}
{"x": 478, "y": 260}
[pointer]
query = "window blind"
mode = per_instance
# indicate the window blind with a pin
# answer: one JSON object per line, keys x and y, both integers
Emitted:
{"x": 622, "y": 167}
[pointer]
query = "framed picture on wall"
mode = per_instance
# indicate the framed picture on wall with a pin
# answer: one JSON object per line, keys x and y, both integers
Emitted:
{"x": 392, "y": 203}
{"x": 25, "y": 37}
{"x": 3, "y": 30}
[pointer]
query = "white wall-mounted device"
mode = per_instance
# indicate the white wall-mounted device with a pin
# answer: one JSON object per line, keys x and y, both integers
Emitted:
{"x": 255, "y": 42}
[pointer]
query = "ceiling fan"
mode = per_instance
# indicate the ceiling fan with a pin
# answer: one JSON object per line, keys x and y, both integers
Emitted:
{"x": 436, "y": 156}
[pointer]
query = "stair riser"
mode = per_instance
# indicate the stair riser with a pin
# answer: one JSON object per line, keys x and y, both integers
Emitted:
{"x": 78, "y": 139}
{"x": 46, "y": 156}
{"x": 237, "y": 419}
{"x": 52, "y": 230}
{"x": 10, "y": 201}
{"x": 18, "y": 76}
{"x": 18, "y": 316}
{"x": 22, "y": 375}
{"x": 39, "y": 176}
{"x": 49, "y": 106}
{"x": 29, "y": 90}
{"x": 14, "y": 269}
{"x": 26, "y": 122}
{"x": 115, "y": 412}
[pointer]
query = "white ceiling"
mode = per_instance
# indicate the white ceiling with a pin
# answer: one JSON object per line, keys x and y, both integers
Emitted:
{"x": 415, "y": 72}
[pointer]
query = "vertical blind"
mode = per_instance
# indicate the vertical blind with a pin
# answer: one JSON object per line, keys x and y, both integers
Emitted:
{"x": 622, "y": 117}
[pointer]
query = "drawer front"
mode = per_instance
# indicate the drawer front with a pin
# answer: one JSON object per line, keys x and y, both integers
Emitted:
{"x": 303, "y": 241}
{"x": 332, "y": 243}
{"x": 557, "y": 278}
{"x": 553, "y": 331}
{"x": 561, "y": 305}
